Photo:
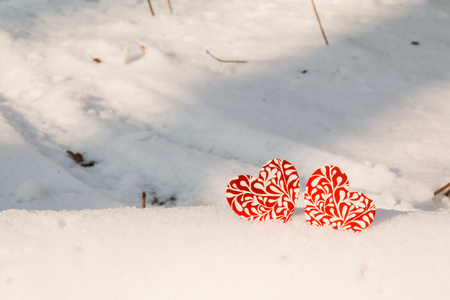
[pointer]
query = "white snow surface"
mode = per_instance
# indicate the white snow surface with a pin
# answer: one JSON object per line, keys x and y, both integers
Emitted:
{"x": 178, "y": 124}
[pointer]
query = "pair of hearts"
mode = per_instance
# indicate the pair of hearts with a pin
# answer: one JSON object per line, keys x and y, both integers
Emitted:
{"x": 327, "y": 200}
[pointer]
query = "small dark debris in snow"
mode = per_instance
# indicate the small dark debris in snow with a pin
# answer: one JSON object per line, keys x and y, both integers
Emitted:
{"x": 152, "y": 199}
{"x": 157, "y": 201}
{"x": 89, "y": 164}
{"x": 79, "y": 159}
{"x": 97, "y": 60}
{"x": 415, "y": 43}
{"x": 169, "y": 200}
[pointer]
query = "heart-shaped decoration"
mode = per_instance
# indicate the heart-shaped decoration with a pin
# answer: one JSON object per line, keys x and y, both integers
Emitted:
{"x": 328, "y": 201}
{"x": 270, "y": 196}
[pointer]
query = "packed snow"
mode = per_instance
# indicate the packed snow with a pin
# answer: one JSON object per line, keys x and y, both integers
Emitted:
{"x": 140, "y": 98}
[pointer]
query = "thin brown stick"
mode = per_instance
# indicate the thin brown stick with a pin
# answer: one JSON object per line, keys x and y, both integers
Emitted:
{"x": 225, "y": 60}
{"x": 442, "y": 189}
{"x": 320, "y": 23}
{"x": 170, "y": 6}
{"x": 151, "y": 8}
{"x": 144, "y": 195}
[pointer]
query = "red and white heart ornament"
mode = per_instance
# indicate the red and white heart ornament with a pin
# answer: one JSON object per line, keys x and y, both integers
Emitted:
{"x": 328, "y": 202}
{"x": 272, "y": 196}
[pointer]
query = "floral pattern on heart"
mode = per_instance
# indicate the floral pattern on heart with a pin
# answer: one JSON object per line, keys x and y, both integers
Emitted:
{"x": 270, "y": 196}
{"x": 328, "y": 202}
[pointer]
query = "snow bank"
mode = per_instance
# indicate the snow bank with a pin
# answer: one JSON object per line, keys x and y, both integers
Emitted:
{"x": 210, "y": 253}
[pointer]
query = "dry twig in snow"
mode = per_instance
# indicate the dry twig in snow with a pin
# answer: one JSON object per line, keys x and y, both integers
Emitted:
{"x": 320, "y": 23}
{"x": 144, "y": 195}
{"x": 151, "y": 8}
{"x": 443, "y": 189}
{"x": 226, "y": 61}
